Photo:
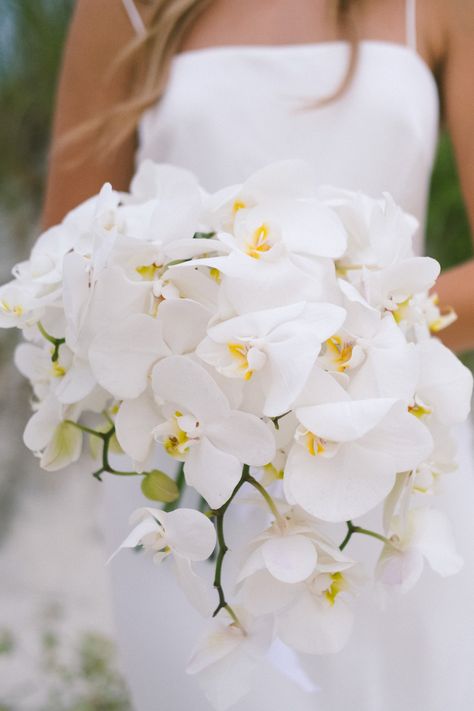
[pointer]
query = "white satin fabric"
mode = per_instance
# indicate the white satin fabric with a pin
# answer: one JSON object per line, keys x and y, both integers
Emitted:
{"x": 227, "y": 112}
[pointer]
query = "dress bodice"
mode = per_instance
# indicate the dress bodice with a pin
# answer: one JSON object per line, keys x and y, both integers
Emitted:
{"x": 229, "y": 110}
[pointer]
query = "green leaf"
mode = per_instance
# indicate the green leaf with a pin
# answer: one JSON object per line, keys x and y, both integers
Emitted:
{"x": 158, "y": 486}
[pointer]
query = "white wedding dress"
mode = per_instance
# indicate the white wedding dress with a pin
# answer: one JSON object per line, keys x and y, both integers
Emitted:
{"x": 228, "y": 111}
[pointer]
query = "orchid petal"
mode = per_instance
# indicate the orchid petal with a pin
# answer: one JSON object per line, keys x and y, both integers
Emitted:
{"x": 344, "y": 421}
{"x": 244, "y": 436}
{"x": 339, "y": 488}
{"x": 290, "y": 558}
{"x": 134, "y": 425}
{"x": 189, "y": 533}
{"x": 213, "y": 473}
{"x": 187, "y": 384}
{"x": 314, "y": 626}
{"x": 122, "y": 356}
{"x": 198, "y": 593}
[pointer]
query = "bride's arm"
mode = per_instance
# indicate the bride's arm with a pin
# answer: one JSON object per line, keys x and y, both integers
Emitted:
{"x": 98, "y": 32}
{"x": 456, "y": 286}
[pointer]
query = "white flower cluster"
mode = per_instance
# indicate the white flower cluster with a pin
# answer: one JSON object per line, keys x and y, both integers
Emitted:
{"x": 276, "y": 337}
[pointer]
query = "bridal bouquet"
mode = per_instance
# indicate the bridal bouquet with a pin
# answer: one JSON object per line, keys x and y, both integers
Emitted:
{"x": 278, "y": 340}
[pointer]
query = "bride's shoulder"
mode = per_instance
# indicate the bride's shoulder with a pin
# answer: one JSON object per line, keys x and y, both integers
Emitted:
{"x": 94, "y": 19}
{"x": 448, "y": 27}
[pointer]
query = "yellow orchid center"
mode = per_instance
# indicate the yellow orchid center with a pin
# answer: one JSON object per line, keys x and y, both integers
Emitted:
{"x": 57, "y": 370}
{"x": 446, "y": 317}
{"x": 341, "y": 352}
{"x": 399, "y": 314}
{"x": 337, "y": 585}
{"x": 15, "y": 310}
{"x": 215, "y": 274}
{"x": 259, "y": 242}
{"x": 272, "y": 472}
{"x": 238, "y": 205}
{"x": 419, "y": 410}
{"x": 239, "y": 352}
{"x": 314, "y": 444}
{"x": 177, "y": 440}
{"x": 148, "y": 271}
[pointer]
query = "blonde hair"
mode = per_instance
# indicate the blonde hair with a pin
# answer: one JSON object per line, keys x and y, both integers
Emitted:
{"x": 150, "y": 56}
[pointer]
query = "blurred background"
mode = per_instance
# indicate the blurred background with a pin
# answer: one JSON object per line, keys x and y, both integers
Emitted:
{"x": 56, "y": 640}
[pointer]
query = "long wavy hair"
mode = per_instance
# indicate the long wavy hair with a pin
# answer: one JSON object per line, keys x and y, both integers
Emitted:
{"x": 148, "y": 56}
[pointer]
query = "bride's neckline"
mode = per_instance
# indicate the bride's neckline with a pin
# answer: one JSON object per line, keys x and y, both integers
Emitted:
{"x": 305, "y": 47}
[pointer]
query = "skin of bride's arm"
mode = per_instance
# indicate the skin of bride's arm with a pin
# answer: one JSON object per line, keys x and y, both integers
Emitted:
{"x": 98, "y": 32}
{"x": 455, "y": 286}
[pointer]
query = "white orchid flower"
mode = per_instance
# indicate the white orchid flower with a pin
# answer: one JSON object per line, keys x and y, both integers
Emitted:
{"x": 426, "y": 478}
{"x": 289, "y": 551}
{"x": 90, "y": 308}
{"x": 372, "y": 351}
{"x": 319, "y": 620}
{"x": 282, "y": 180}
{"x": 380, "y": 233}
{"x": 395, "y": 284}
{"x": 226, "y": 660}
{"x": 58, "y": 443}
{"x": 195, "y": 424}
{"x": 277, "y": 227}
{"x": 76, "y": 232}
{"x": 175, "y": 199}
{"x": 21, "y": 305}
{"x": 342, "y": 351}
{"x": 424, "y": 535}
{"x": 298, "y": 574}
{"x": 35, "y": 363}
{"x": 389, "y": 366}
{"x": 55, "y": 442}
{"x": 44, "y": 267}
{"x": 347, "y": 452}
{"x": 186, "y": 535}
{"x": 269, "y": 283}
{"x": 277, "y": 348}
{"x": 122, "y": 355}
{"x": 421, "y": 316}
{"x": 444, "y": 388}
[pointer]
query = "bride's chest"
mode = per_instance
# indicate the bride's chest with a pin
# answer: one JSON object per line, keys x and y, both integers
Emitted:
{"x": 229, "y": 110}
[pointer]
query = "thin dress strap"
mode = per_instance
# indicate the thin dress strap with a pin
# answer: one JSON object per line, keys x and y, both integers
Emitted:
{"x": 410, "y": 24}
{"x": 134, "y": 17}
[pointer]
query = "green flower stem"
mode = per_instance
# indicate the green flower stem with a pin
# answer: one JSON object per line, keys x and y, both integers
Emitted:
{"x": 174, "y": 262}
{"x": 219, "y": 514}
{"x": 271, "y": 504}
{"x": 106, "y": 438}
{"x": 87, "y": 430}
{"x": 276, "y": 420}
{"x": 56, "y": 342}
{"x": 233, "y": 615}
{"x": 351, "y": 529}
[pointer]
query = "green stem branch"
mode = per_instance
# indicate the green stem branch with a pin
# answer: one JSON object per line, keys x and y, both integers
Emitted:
{"x": 56, "y": 342}
{"x": 271, "y": 504}
{"x": 276, "y": 420}
{"x": 106, "y": 439}
{"x": 222, "y": 547}
{"x": 87, "y": 430}
{"x": 351, "y": 529}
